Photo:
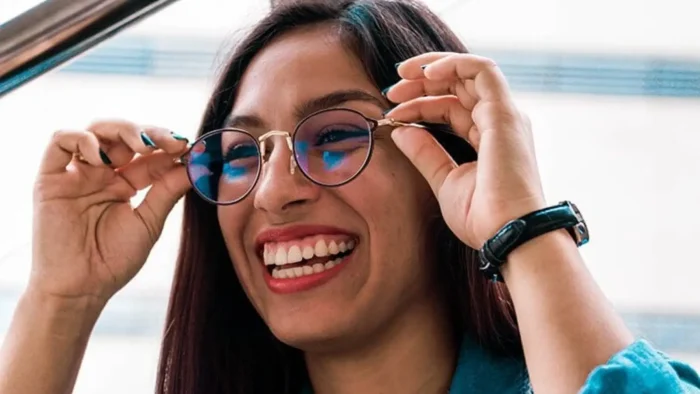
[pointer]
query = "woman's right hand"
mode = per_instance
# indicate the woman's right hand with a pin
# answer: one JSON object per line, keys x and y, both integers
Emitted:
{"x": 88, "y": 240}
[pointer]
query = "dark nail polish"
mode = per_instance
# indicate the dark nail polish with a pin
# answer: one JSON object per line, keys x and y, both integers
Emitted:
{"x": 147, "y": 140}
{"x": 386, "y": 90}
{"x": 105, "y": 158}
{"x": 178, "y": 136}
{"x": 423, "y": 67}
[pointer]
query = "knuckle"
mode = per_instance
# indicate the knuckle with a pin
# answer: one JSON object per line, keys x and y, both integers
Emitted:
{"x": 452, "y": 89}
{"x": 490, "y": 63}
{"x": 486, "y": 62}
{"x": 440, "y": 170}
{"x": 60, "y": 134}
{"x": 422, "y": 149}
{"x": 97, "y": 124}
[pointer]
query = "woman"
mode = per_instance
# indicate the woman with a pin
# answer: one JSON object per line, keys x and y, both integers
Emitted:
{"x": 341, "y": 257}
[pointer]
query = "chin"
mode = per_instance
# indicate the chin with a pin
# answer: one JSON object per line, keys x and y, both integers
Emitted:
{"x": 312, "y": 330}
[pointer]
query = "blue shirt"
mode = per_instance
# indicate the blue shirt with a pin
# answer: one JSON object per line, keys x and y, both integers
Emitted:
{"x": 637, "y": 369}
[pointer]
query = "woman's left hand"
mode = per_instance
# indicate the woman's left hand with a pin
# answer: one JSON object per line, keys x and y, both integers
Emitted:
{"x": 470, "y": 94}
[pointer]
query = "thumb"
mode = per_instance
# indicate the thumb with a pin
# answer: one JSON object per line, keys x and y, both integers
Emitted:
{"x": 426, "y": 154}
{"x": 164, "y": 193}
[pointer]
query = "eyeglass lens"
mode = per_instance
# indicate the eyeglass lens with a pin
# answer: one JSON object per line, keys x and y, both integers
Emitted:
{"x": 330, "y": 147}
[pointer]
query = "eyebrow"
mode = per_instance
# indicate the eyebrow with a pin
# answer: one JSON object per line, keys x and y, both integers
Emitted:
{"x": 327, "y": 101}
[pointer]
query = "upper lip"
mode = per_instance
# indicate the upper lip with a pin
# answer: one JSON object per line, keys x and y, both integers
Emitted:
{"x": 281, "y": 234}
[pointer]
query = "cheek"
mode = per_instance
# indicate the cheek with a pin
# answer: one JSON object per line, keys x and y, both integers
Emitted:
{"x": 400, "y": 205}
{"x": 232, "y": 222}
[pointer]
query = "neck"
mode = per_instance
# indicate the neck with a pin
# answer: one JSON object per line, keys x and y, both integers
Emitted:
{"x": 415, "y": 353}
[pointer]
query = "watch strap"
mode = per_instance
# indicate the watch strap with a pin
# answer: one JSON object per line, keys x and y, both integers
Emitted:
{"x": 495, "y": 251}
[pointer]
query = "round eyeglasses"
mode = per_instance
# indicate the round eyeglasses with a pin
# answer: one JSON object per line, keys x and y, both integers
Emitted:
{"x": 331, "y": 148}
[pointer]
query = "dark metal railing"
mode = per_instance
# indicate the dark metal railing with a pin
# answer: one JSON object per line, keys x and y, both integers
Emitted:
{"x": 56, "y": 31}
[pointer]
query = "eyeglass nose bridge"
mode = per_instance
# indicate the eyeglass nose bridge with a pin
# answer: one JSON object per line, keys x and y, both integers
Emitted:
{"x": 288, "y": 137}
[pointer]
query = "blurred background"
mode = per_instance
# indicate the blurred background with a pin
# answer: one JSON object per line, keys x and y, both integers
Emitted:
{"x": 613, "y": 90}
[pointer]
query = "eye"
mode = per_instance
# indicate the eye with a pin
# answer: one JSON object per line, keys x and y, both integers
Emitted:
{"x": 241, "y": 151}
{"x": 339, "y": 133}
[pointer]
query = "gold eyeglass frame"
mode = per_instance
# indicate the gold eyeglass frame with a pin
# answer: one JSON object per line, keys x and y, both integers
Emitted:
{"x": 373, "y": 125}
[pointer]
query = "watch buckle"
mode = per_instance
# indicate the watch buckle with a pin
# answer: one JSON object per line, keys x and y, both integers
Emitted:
{"x": 580, "y": 230}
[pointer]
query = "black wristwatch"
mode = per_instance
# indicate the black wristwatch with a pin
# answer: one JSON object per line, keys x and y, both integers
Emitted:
{"x": 565, "y": 215}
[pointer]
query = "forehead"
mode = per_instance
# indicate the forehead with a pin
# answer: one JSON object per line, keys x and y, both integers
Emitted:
{"x": 298, "y": 67}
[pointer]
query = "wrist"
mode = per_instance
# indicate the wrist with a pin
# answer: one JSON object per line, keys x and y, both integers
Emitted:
{"x": 66, "y": 316}
{"x": 512, "y": 211}
{"x": 495, "y": 254}
{"x": 539, "y": 254}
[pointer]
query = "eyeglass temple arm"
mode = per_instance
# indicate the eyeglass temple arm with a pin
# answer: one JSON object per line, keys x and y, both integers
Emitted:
{"x": 395, "y": 123}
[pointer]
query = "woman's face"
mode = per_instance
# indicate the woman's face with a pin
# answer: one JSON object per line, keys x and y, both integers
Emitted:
{"x": 380, "y": 218}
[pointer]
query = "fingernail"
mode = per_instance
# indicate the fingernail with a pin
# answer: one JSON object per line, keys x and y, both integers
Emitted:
{"x": 147, "y": 140}
{"x": 178, "y": 137}
{"x": 398, "y": 64}
{"x": 386, "y": 90}
{"x": 423, "y": 67}
{"x": 105, "y": 158}
{"x": 386, "y": 111}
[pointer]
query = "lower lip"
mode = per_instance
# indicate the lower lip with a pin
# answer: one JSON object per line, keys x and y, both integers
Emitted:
{"x": 306, "y": 282}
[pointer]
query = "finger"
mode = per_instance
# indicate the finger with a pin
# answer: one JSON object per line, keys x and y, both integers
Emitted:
{"x": 406, "y": 90}
{"x": 166, "y": 190}
{"x": 67, "y": 144}
{"x": 443, "y": 109}
{"x": 121, "y": 132}
{"x": 412, "y": 68}
{"x": 489, "y": 82}
{"x": 426, "y": 154}
{"x": 166, "y": 140}
{"x": 123, "y": 139}
{"x": 145, "y": 170}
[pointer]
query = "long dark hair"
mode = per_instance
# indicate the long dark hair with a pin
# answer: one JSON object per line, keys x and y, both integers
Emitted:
{"x": 214, "y": 340}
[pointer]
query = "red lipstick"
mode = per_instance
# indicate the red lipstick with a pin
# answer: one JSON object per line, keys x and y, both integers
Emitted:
{"x": 306, "y": 282}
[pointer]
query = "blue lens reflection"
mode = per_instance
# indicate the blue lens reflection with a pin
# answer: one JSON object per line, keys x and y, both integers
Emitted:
{"x": 333, "y": 160}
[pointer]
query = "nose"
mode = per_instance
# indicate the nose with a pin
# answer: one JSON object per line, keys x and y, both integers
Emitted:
{"x": 281, "y": 188}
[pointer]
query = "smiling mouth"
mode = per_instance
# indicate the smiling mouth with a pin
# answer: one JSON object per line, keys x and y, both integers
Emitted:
{"x": 309, "y": 256}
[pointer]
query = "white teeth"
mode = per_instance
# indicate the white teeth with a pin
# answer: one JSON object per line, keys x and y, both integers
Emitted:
{"x": 267, "y": 257}
{"x": 333, "y": 248}
{"x": 296, "y": 272}
{"x": 291, "y": 253}
{"x": 281, "y": 256}
{"x": 294, "y": 255}
{"x": 308, "y": 253}
{"x": 321, "y": 250}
